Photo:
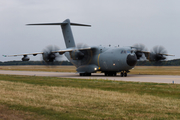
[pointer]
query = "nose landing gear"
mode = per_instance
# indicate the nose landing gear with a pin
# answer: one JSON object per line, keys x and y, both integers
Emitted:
{"x": 124, "y": 73}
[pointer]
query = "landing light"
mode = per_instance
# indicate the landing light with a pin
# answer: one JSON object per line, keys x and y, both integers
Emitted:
{"x": 95, "y": 69}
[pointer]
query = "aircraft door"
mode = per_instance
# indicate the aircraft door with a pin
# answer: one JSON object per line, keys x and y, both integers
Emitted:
{"x": 103, "y": 62}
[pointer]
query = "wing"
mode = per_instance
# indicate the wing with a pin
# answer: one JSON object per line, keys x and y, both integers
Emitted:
{"x": 62, "y": 51}
{"x": 23, "y": 54}
{"x": 155, "y": 57}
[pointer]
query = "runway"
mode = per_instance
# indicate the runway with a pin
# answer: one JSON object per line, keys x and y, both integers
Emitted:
{"x": 130, "y": 77}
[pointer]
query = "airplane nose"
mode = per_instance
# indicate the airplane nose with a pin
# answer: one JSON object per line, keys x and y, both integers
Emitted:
{"x": 131, "y": 60}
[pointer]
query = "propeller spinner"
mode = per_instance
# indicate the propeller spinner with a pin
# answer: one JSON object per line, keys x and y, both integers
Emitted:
{"x": 139, "y": 49}
{"x": 49, "y": 56}
{"x": 158, "y": 53}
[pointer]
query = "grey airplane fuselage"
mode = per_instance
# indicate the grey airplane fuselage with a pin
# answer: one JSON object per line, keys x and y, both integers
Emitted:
{"x": 109, "y": 59}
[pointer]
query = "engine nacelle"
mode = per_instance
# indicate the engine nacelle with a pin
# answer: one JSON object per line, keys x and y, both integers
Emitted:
{"x": 25, "y": 58}
{"x": 138, "y": 54}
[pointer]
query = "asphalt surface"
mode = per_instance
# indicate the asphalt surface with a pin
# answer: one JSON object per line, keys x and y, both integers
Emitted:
{"x": 130, "y": 77}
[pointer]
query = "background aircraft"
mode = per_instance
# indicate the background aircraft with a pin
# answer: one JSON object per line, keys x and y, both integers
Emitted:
{"x": 108, "y": 60}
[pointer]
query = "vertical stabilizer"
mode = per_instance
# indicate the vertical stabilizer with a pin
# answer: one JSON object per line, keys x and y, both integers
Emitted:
{"x": 67, "y": 33}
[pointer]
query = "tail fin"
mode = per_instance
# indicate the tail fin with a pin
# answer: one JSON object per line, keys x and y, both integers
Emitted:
{"x": 66, "y": 29}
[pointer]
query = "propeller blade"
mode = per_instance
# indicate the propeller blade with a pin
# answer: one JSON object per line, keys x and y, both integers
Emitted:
{"x": 49, "y": 56}
{"x": 139, "y": 50}
{"x": 158, "y": 53}
{"x": 83, "y": 57}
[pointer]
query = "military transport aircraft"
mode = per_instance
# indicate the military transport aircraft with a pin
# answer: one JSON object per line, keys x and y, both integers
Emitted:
{"x": 108, "y": 60}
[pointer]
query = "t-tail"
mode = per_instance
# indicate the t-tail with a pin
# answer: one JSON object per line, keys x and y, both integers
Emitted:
{"x": 66, "y": 30}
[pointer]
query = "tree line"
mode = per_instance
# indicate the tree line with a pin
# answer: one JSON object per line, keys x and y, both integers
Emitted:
{"x": 175, "y": 62}
{"x": 33, "y": 63}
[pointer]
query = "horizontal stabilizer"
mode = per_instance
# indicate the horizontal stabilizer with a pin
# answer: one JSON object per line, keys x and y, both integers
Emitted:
{"x": 76, "y": 24}
{"x": 63, "y": 23}
{"x": 47, "y": 24}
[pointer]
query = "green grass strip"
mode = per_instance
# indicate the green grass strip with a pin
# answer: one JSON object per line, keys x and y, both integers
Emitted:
{"x": 47, "y": 113}
{"x": 155, "y": 89}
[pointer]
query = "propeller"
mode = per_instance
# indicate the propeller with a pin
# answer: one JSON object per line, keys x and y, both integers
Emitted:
{"x": 158, "y": 53}
{"x": 83, "y": 57}
{"x": 139, "y": 48}
{"x": 49, "y": 56}
{"x": 78, "y": 54}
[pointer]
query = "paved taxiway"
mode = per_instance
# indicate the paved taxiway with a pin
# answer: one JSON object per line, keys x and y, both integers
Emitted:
{"x": 130, "y": 77}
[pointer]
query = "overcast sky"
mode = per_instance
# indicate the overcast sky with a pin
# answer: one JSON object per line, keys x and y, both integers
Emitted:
{"x": 115, "y": 22}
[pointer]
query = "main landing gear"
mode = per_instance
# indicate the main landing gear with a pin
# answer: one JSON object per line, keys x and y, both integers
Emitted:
{"x": 110, "y": 73}
{"x": 123, "y": 74}
{"x": 85, "y": 74}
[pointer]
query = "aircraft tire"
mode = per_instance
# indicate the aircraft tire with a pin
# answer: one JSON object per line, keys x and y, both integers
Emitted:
{"x": 122, "y": 74}
{"x": 107, "y": 74}
{"x": 110, "y": 73}
{"x": 114, "y": 74}
{"x": 125, "y": 74}
{"x": 85, "y": 74}
{"x": 88, "y": 74}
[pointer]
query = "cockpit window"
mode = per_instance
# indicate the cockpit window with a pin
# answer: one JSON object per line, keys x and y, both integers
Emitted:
{"x": 128, "y": 52}
{"x": 123, "y": 52}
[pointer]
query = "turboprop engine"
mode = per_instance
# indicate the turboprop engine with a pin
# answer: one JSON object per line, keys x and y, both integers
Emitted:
{"x": 25, "y": 58}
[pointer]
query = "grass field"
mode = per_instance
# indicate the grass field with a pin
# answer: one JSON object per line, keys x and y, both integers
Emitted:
{"x": 150, "y": 70}
{"x": 31, "y": 97}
